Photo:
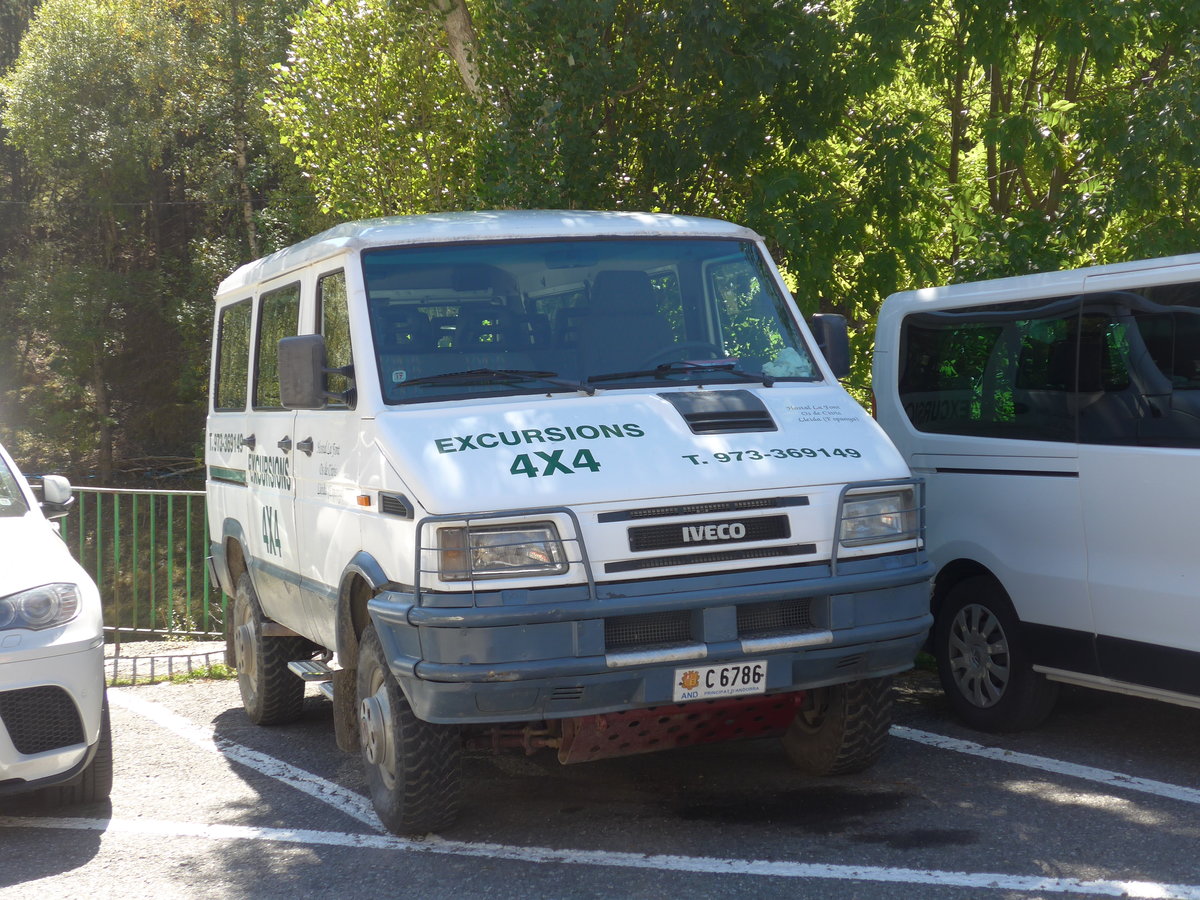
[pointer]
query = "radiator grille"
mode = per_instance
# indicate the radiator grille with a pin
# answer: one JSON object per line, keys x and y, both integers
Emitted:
{"x": 40, "y": 719}
{"x": 647, "y": 630}
{"x": 776, "y": 617}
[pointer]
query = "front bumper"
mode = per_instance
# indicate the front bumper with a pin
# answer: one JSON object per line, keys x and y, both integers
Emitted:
{"x": 50, "y": 712}
{"x": 530, "y": 655}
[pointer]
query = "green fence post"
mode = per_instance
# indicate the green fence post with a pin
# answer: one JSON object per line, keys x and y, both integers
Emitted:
{"x": 170, "y": 608}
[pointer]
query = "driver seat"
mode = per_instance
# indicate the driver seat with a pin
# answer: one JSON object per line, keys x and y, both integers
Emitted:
{"x": 623, "y": 327}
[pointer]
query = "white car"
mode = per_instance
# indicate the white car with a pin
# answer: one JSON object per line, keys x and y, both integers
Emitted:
{"x": 54, "y": 727}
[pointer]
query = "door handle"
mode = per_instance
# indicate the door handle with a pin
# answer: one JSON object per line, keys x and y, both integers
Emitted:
{"x": 306, "y": 446}
{"x": 285, "y": 444}
{"x": 249, "y": 442}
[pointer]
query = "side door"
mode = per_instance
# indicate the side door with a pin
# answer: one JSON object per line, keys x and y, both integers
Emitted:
{"x": 271, "y": 525}
{"x": 1139, "y": 454}
{"x": 988, "y": 390}
{"x": 225, "y": 453}
{"x": 326, "y": 447}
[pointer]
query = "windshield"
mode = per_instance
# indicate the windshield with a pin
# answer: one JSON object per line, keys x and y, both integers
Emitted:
{"x": 537, "y": 316}
{"x": 12, "y": 500}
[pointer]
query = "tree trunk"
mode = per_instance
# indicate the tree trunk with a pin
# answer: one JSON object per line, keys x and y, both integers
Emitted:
{"x": 460, "y": 34}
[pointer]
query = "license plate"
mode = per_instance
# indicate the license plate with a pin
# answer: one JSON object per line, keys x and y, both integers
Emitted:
{"x": 728, "y": 680}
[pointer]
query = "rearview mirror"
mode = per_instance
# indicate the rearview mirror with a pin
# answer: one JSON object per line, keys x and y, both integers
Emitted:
{"x": 833, "y": 340}
{"x": 302, "y": 371}
{"x": 56, "y": 497}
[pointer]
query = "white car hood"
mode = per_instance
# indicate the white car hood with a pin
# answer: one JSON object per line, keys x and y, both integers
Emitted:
{"x": 627, "y": 446}
{"x": 32, "y": 553}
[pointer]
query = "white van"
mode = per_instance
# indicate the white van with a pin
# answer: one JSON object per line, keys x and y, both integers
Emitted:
{"x": 559, "y": 480}
{"x": 1056, "y": 420}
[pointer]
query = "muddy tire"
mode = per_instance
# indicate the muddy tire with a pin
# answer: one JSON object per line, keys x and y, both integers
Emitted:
{"x": 842, "y": 728}
{"x": 271, "y": 694}
{"x": 983, "y": 662}
{"x": 412, "y": 766}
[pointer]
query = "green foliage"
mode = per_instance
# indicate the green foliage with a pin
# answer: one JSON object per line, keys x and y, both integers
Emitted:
{"x": 876, "y": 144}
{"x": 373, "y": 109}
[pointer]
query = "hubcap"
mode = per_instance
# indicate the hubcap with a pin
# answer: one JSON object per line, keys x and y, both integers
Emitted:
{"x": 375, "y": 730}
{"x": 979, "y": 655}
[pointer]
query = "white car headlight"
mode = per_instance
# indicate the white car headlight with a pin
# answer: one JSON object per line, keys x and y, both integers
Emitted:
{"x": 40, "y": 607}
{"x": 877, "y": 518}
{"x": 500, "y": 551}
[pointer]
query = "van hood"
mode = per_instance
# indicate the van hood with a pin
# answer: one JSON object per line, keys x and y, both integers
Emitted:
{"x": 631, "y": 446}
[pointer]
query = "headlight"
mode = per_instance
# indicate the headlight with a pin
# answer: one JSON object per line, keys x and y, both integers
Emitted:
{"x": 40, "y": 607}
{"x": 876, "y": 518}
{"x": 500, "y": 551}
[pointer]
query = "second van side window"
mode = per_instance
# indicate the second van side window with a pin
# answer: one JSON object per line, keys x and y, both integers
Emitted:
{"x": 1117, "y": 367}
{"x": 233, "y": 357}
{"x": 334, "y": 324}
{"x": 278, "y": 317}
{"x": 990, "y": 374}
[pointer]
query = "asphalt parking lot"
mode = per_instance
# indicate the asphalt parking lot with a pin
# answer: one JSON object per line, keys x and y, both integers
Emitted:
{"x": 1104, "y": 800}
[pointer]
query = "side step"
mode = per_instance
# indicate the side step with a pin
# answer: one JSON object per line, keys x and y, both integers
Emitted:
{"x": 311, "y": 670}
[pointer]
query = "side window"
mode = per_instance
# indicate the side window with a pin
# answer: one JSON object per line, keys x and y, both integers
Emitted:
{"x": 233, "y": 357}
{"x": 335, "y": 326}
{"x": 1139, "y": 368}
{"x": 992, "y": 372}
{"x": 278, "y": 317}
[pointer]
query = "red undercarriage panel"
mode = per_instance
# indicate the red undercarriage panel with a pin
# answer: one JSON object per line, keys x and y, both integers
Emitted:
{"x": 678, "y": 725}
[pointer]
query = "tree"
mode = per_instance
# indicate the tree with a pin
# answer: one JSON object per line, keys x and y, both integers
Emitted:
{"x": 143, "y": 125}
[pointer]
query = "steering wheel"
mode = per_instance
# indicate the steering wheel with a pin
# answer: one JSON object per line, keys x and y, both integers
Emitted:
{"x": 663, "y": 354}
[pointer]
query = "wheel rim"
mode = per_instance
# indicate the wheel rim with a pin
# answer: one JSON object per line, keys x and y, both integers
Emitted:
{"x": 979, "y": 655}
{"x": 244, "y": 644}
{"x": 811, "y": 716}
{"x": 375, "y": 729}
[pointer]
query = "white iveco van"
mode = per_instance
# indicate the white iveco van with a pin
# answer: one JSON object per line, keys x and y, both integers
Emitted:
{"x": 562, "y": 480}
{"x": 1056, "y": 420}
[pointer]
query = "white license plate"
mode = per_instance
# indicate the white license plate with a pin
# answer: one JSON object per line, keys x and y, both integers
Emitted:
{"x": 728, "y": 680}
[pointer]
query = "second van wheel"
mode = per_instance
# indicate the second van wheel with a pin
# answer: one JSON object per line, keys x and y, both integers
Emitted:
{"x": 271, "y": 694}
{"x": 842, "y": 728}
{"x": 983, "y": 663}
{"x": 412, "y": 766}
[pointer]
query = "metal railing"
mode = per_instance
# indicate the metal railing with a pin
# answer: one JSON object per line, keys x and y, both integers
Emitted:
{"x": 146, "y": 551}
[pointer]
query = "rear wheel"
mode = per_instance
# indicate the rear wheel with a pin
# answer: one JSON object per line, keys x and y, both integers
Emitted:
{"x": 842, "y": 728}
{"x": 412, "y": 766}
{"x": 983, "y": 663}
{"x": 271, "y": 694}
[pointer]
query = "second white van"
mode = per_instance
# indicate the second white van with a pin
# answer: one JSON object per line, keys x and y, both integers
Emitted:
{"x": 1056, "y": 421}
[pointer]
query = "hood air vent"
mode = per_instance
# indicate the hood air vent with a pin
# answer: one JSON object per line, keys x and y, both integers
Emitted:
{"x": 721, "y": 412}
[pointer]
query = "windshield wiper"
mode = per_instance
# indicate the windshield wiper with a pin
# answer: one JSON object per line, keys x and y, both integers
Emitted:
{"x": 674, "y": 368}
{"x": 484, "y": 376}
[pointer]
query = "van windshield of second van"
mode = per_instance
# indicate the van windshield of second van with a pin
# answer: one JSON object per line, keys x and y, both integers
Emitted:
{"x": 460, "y": 320}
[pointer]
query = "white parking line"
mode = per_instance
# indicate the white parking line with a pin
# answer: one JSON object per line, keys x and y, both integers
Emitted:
{"x": 705, "y": 865}
{"x": 205, "y": 737}
{"x": 359, "y": 808}
{"x": 1046, "y": 764}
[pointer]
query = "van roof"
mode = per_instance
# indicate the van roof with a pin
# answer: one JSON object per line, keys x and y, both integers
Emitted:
{"x": 492, "y": 225}
{"x": 1112, "y": 276}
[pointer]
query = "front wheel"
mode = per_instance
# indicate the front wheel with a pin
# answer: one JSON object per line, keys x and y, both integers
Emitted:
{"x": 982, "y": 661}
{"x": 412, "y": 766}
{"x": 842, "y": 728}
{"x": 95, "y": 782}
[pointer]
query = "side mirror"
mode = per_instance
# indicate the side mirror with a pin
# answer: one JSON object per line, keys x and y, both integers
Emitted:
{"x": 302, "y": 371}
{"x": 833, "y": 340}
{"x": 56, "y": 497}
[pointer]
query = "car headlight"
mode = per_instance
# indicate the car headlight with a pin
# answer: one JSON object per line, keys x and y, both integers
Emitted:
{"x": 877, "y": 518}
{"x": 500, "y": 551}
{"x": 40, "y": 607}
